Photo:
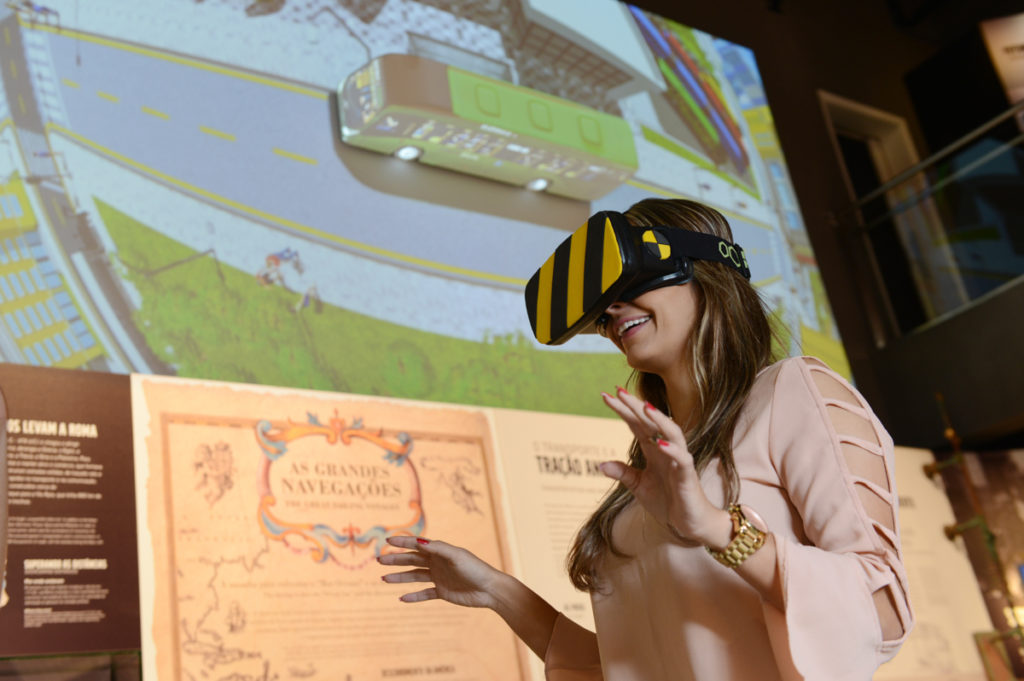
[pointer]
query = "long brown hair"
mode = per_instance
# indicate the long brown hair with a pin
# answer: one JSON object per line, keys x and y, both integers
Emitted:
{"x": 730, "y": 344}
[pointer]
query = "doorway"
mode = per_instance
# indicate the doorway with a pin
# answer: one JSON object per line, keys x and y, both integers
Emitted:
{"x": 873, "y": 146}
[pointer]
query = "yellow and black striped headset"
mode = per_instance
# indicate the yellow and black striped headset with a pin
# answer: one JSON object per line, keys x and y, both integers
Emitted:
{"x": 608, "y": 260}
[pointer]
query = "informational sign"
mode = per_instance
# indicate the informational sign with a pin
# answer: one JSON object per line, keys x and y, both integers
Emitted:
{"x": 549, "y": 466}
{"x": 72, "y": 576}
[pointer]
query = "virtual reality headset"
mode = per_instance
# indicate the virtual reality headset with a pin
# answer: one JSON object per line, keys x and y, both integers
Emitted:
{"x": 609, "y": 260}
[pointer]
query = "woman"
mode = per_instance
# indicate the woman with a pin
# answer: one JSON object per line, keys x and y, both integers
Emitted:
{"x": 753, "y": 534}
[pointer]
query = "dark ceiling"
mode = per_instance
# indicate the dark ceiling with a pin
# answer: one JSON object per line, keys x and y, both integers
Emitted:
{"x": 943, "y": 21}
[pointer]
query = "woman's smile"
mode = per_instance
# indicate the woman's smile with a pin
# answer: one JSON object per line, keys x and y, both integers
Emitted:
{"x": 654, "y": 328}
{"x": 630, "y": 326}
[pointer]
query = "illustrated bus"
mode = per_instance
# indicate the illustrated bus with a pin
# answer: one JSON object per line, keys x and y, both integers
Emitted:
{"x": 417, "y": 108}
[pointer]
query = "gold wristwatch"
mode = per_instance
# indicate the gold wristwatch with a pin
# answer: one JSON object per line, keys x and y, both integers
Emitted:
{"x": 746, "y": 539}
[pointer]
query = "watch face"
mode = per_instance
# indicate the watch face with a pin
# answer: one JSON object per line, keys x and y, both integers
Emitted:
{"x": 753, "y": 518}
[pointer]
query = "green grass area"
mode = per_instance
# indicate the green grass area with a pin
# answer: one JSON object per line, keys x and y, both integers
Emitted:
{"x": 213, "y": 321}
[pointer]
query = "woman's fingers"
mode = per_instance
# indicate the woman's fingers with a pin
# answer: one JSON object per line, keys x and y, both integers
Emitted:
{"x": 644, "y": 419}
{"x": 417, "y": 596}
{"x": 408, "y": 542}
{"x": 649, "y": 424}
{"x": 641, "y": 428}
{"x": 628, "y": 407}
{"x": 409, "y": 576}
{"x": 616, "y": 404}
{"x": 415, "y": 558}
{"x": 635, "y": 405}
{"x": 627, "y": 475}
{"x": 662, "y": 422}
{"x": 409, "y": 558}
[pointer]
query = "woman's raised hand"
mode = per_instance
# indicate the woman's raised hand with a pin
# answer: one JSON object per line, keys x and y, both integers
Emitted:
{"x": 457, "y": 575}
{"x": 669, "y": 487}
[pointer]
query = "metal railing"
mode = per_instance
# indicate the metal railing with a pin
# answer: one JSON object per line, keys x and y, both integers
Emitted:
{"x": 949, "y": 230}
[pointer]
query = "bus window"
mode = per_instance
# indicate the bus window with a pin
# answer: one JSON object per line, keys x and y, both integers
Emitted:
{"x": 590, "y": 130}
{"x": 487, "y": 100}
{"x": 540, "y": 115}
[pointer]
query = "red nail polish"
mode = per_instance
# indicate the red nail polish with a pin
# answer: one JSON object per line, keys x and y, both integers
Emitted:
{"x": 421, "y": 540}
{"x": 620, "y": 389}
{"x": 649, "y": 406}
{"x": 662, "y": 443}
{"x": 384, "y": 578}
{"x": 604, "y": 394}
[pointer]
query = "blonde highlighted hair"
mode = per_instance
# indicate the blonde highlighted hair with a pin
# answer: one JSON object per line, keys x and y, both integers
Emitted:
{"x": 730, "y": 344}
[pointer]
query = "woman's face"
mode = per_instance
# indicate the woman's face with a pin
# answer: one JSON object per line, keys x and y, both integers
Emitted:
{"x": 653, "y": 329}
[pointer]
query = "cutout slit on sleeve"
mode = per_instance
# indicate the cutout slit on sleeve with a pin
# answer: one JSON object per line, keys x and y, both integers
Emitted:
{"x": 870, "y": 477}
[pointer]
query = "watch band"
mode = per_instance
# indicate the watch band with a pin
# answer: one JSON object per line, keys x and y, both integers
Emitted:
{"x": 746, "y": 540}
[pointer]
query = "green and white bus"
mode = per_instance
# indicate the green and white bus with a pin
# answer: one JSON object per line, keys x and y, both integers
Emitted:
{"x": 417, "y": 108}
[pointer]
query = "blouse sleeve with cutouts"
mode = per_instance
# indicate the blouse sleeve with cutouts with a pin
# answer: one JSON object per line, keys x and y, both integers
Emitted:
{"x": 844, "y": 588}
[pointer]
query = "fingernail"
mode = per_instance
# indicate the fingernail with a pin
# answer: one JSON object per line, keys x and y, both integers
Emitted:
{"x": 604, "y": 394}
{"x": 384, "y": 578}
{"x": 421, "y": 540}
{"x": 649, "y": 406}
{"x": 662, "y": 443}
{"x": 620, "y": 389}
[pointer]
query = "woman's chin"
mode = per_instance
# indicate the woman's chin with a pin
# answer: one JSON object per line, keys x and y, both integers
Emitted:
{"x": 642, "y": 363}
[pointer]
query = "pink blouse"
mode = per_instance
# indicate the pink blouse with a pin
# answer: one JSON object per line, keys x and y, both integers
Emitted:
{"x": 817, "y": 466}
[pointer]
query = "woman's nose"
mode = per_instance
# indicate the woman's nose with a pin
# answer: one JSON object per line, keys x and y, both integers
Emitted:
{"x": 606, "y": 318}
{"x": 614, "y": 307}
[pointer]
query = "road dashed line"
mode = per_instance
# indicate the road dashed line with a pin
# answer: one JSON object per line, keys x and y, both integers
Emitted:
{"x": 154, "y": 112}
{"x": 217, "y": 133}
{"x": 296, "y": 157}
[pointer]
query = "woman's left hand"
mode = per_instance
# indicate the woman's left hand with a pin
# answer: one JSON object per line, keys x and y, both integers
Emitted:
{"x": 669, "y": 487}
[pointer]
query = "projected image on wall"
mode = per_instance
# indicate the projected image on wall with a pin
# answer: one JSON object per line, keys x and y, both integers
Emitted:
{"x": 350, "y": 195}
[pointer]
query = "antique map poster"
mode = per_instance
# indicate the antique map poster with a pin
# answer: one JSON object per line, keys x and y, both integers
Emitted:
{"x": 262, "y": 512}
